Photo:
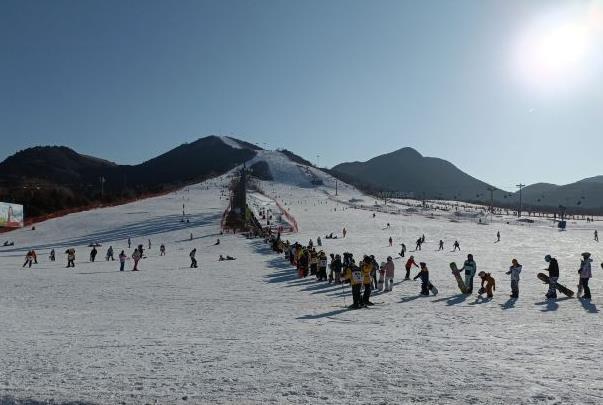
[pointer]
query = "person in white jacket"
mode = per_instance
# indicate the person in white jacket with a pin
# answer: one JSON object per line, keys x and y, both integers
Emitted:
{"x": 514, "y": 271}
{"x": 585, "y": 274}
{"x": 389, "y": 274}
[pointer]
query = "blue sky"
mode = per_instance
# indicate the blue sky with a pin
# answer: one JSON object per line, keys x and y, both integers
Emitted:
{"x": 346, "y": 80}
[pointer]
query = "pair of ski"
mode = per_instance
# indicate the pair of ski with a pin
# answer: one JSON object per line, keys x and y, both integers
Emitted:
{"x": 541, "y": 276}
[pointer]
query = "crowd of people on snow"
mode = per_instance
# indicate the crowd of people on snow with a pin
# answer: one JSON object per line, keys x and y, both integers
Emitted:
{"x": 137, "y": 255}
{"x": 368, "y": 274}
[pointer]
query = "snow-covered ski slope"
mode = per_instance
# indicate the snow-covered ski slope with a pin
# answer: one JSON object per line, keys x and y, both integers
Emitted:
{"x": 249, "y": 331}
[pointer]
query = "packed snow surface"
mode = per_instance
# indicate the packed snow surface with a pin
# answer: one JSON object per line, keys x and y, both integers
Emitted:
{"x": 250, "y": 331}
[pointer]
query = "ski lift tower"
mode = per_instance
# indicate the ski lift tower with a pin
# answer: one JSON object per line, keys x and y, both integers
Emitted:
{"x": 520, "y": 186}
{"x": 492, "y": 190}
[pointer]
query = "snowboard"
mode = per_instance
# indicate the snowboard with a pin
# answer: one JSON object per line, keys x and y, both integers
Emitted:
{"x": 433, "y": 289}
{"x": 457, "y": 276}
{"x": 562, "y": 289}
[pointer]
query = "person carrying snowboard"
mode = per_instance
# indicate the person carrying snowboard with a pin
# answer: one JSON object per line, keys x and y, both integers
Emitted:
{"x": 585, "y": 274}
{"x": 409, "y": 263}
{"x": 193, "y": 259}
{"x": 553, "y": 270}
{"x": 424, "y": 275}
{"x": 488, "y": 284}
{"x": 122, "y": 260}
{"x": 470, "y": 268}
{"x": 389, "y": 274}
{"x": 514, "y": 271}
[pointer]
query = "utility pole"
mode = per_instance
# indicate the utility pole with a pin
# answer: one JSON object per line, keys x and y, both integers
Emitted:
{"x": 102, "y": 184}
{"x": 520, "y": 186}
{"x": 492, "y": 190}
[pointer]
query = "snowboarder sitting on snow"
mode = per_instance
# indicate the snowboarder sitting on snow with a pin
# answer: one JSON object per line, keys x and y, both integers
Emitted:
{"x": 514, "y": 271}
{"x": 553, "y": 270}
{"x": 222, "y": 258}
{"x": 402, "y": 249}
{"x": 409, "y": 263}
{"x": 470, "y": 268}
{"x": 217, "y": 242}
{"x": 424, "y": 275}
{"x": 488, "y": 284}
{"x": 585, "y": 274}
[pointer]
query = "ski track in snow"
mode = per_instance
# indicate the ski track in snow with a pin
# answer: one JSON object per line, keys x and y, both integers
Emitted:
{"x": 249, "y": 331}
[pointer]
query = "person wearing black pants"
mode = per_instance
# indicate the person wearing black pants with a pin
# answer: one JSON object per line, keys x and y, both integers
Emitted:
{"x": 354, "y": 274}
{"x": 367, "y": 268}
{"x": 585, "y": 274}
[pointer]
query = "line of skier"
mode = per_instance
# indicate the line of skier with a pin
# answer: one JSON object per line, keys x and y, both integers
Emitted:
{"x": 362, "y": 276}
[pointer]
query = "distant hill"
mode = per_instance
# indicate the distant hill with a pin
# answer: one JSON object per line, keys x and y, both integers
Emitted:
{"x": 407, "y": 171}
{"x": 582, "y": 196}
{"x": 50, "y": 178}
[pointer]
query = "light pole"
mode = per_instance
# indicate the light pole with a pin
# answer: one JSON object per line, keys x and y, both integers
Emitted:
{"x": 492, "y": 190}
{"x": 520, "y": 187}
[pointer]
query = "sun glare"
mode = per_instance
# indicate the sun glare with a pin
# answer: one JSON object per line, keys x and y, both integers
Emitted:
{"x": 561, "y": 49}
